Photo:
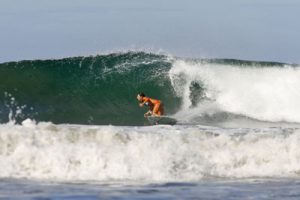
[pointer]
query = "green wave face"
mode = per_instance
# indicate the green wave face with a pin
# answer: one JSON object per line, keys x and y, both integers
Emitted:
{"x": 102, "y": 89}
{"x": 85, "y": 90}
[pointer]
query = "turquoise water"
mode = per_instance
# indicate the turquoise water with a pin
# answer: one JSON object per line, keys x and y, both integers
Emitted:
{"x": 85, "y": 90}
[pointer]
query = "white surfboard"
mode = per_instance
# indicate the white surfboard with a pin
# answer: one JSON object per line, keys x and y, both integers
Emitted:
{"x": 153, "y": 120}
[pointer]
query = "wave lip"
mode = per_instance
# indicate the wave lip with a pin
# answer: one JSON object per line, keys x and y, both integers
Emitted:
{"x": 159, "y": 153}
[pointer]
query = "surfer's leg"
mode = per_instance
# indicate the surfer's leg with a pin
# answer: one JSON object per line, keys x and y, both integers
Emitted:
{"x": 158, "y": 109}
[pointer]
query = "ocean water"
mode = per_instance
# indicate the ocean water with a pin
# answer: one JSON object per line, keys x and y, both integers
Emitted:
{"x": 232, "y": 190}
{"x": 72, "y": 129}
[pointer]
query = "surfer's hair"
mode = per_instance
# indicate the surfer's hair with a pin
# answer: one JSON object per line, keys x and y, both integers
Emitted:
{"x": 141, "y": 94}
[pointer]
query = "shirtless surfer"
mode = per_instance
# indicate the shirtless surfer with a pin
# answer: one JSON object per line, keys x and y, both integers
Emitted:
{"x": 156, "y": 107}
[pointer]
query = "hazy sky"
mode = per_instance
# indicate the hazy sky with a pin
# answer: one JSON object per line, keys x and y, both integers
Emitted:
{"x": 244, "y": 29}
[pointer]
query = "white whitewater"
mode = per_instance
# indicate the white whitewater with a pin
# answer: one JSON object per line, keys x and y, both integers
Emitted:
{"x": 159, "y": 153}
{"x": 262, "y": 93}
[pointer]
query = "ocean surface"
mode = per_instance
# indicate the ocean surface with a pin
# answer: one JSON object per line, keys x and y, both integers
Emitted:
{"x": 71, "y": 128}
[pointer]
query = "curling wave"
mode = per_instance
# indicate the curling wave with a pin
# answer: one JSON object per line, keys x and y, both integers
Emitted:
{"x": 102, "y": 89}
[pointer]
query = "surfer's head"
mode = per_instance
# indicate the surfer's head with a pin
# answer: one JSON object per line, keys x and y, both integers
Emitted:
{"x": 140, "y": 96}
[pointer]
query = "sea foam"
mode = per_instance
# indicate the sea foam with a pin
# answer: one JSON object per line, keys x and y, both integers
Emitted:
{"x": 158, "y": 153}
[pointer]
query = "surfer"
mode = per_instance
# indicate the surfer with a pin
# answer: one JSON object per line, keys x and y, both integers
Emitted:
{"x": 156, "y": 107}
